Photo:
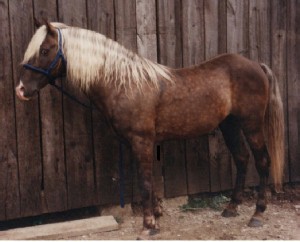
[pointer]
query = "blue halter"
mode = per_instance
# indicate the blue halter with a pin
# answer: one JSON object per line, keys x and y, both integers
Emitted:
{"x": 47, "y": 72}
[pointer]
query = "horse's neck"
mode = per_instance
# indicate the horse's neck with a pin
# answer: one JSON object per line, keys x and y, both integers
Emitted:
{"x": 102, "y": 96}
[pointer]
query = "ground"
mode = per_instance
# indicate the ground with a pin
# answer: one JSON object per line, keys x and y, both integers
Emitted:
{"x": 282, "y": 221}
{"x": 194, "y": 218}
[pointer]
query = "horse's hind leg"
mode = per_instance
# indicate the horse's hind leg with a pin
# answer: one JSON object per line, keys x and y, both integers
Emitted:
{"x": 256, "y": 140}
{"x": 235, "y": 142}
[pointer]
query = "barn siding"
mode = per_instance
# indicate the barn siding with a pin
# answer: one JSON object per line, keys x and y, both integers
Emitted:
{"x": 54, "y": 196}
{"x": 9, "y": 173}
{"x": 56, "y": 155}
{"x": 27, "y": 116}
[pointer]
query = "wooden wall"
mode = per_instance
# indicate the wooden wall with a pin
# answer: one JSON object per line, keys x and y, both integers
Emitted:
{"x": 57, "y": 155}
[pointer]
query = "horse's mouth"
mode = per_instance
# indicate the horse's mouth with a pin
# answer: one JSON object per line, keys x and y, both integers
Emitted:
{"x": 24, "y": 96}
{"x": 21, "y": 96}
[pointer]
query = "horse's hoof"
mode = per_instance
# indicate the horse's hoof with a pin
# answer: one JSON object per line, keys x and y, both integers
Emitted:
{"x": 149, "y": 222}
{"x": 158, "y": 211}
{"x": 227, "y": 213}
{"x": 147, "y": 233}
{"x": 255, "y": 222}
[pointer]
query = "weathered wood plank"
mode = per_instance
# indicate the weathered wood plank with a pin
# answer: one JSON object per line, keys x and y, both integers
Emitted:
{"x": 237, "y": 26}
{"x": 77, "y": 126}
{"x": 170, "y": 54}
{"x": 125, "y": 11}
{"x": 197, "y": 158}
{"x": 194, "y": 53}
{"x": 259, "y": 50}
{"x": 259, "y": 31}
{"x": 237, "y": 42}
{"x": 126, "y": 35}
{"x": 146, "y": 29}
{"x": 215, "y": 42}
{"x": 9, "y": 181}
{"x": 222, "y": 27}
{"x": 197, "y": 155}
{"x": 101, "y": 17}
{"x": 174, "y": 168}
{"x": 193, "y": 32}
{"x": 220, "y": 163}
{"x": 193, "y": 36}
{"x": 54, "y": 180}
{"x": 293, "y": 76}
{"x": 147, "y": 47}
{"x": 279, "y": 58}
{"x": 218, "y": 152}
{"x": 62, "y": 230}
{"x": 211, "y": 24}
{"x": 27, "y": 115}
{"x": 169, "y": 33}
{"x": 106, "y": 145}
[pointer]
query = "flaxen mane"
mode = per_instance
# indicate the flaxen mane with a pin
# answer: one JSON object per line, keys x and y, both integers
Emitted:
{"x": 92, "y": 57}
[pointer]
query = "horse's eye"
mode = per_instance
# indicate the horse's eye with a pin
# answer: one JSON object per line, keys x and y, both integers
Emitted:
{"x": 44, "y": 52}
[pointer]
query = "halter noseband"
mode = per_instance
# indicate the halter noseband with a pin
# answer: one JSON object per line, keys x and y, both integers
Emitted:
{"x": 47, "y": 72}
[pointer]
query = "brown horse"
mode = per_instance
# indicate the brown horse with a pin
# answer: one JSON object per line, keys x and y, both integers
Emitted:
{"x": 147, "y": 103}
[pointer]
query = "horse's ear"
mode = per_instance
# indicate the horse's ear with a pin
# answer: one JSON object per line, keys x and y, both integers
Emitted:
{"x": 50, "y": 28}
{"x": 37, "y": 23}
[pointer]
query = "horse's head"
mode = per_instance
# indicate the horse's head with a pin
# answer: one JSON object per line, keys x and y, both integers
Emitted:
{"x": 43, "y": 61}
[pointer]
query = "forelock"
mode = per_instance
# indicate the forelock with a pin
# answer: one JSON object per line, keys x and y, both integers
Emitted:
{"x": 34, "y": 44}
{"x": 36, "y": 41}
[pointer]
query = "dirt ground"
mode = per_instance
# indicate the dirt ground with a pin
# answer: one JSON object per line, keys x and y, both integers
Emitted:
{"x": 197, "y": 218}
{"x": 282, "y": 221}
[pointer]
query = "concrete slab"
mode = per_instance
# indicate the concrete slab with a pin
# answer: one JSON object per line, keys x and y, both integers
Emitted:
{"x": 62, "y": 230}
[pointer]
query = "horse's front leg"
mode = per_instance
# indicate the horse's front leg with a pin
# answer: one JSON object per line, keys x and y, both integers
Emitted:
{"x": 143, "y": 150}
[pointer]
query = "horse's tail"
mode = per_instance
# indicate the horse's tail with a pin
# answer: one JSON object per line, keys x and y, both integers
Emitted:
{"x": 274, "y": 128}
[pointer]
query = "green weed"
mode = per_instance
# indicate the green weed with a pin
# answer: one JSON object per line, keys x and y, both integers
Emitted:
{"x": 214, "y": 202}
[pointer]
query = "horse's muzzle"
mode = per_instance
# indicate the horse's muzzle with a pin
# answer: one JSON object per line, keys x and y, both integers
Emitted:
{"x": 20, "y": 89}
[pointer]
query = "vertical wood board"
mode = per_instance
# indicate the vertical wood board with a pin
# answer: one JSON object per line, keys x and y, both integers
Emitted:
{"x": 126, "y": 35}
{"x": 279, "y": 58}
{"x": 9, "y": 179}
{"x": 293, "y": 88}
{"x": 106, "y": 145}
{"x": 147, "y": 48}
{"x": 27, "y": 115}
{"x": 215, "y": 36}
{"x": 79, "y": 153}
{"x": 54, "y": 196}
{"x": 193, "y": 37}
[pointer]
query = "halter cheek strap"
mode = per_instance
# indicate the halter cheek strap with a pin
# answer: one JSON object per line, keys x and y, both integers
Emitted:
{"x": 59, "y": 55}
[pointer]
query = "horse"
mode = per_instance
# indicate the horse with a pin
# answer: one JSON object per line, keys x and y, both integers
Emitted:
{"x": 146, "y": 103}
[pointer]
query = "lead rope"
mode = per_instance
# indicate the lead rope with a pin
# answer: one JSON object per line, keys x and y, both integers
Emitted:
{"x": 121, "y": 173}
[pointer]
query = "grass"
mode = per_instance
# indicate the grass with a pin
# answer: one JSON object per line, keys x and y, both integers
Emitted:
{"x": 214, "y": 202}
{"x": 119, "y": 220}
